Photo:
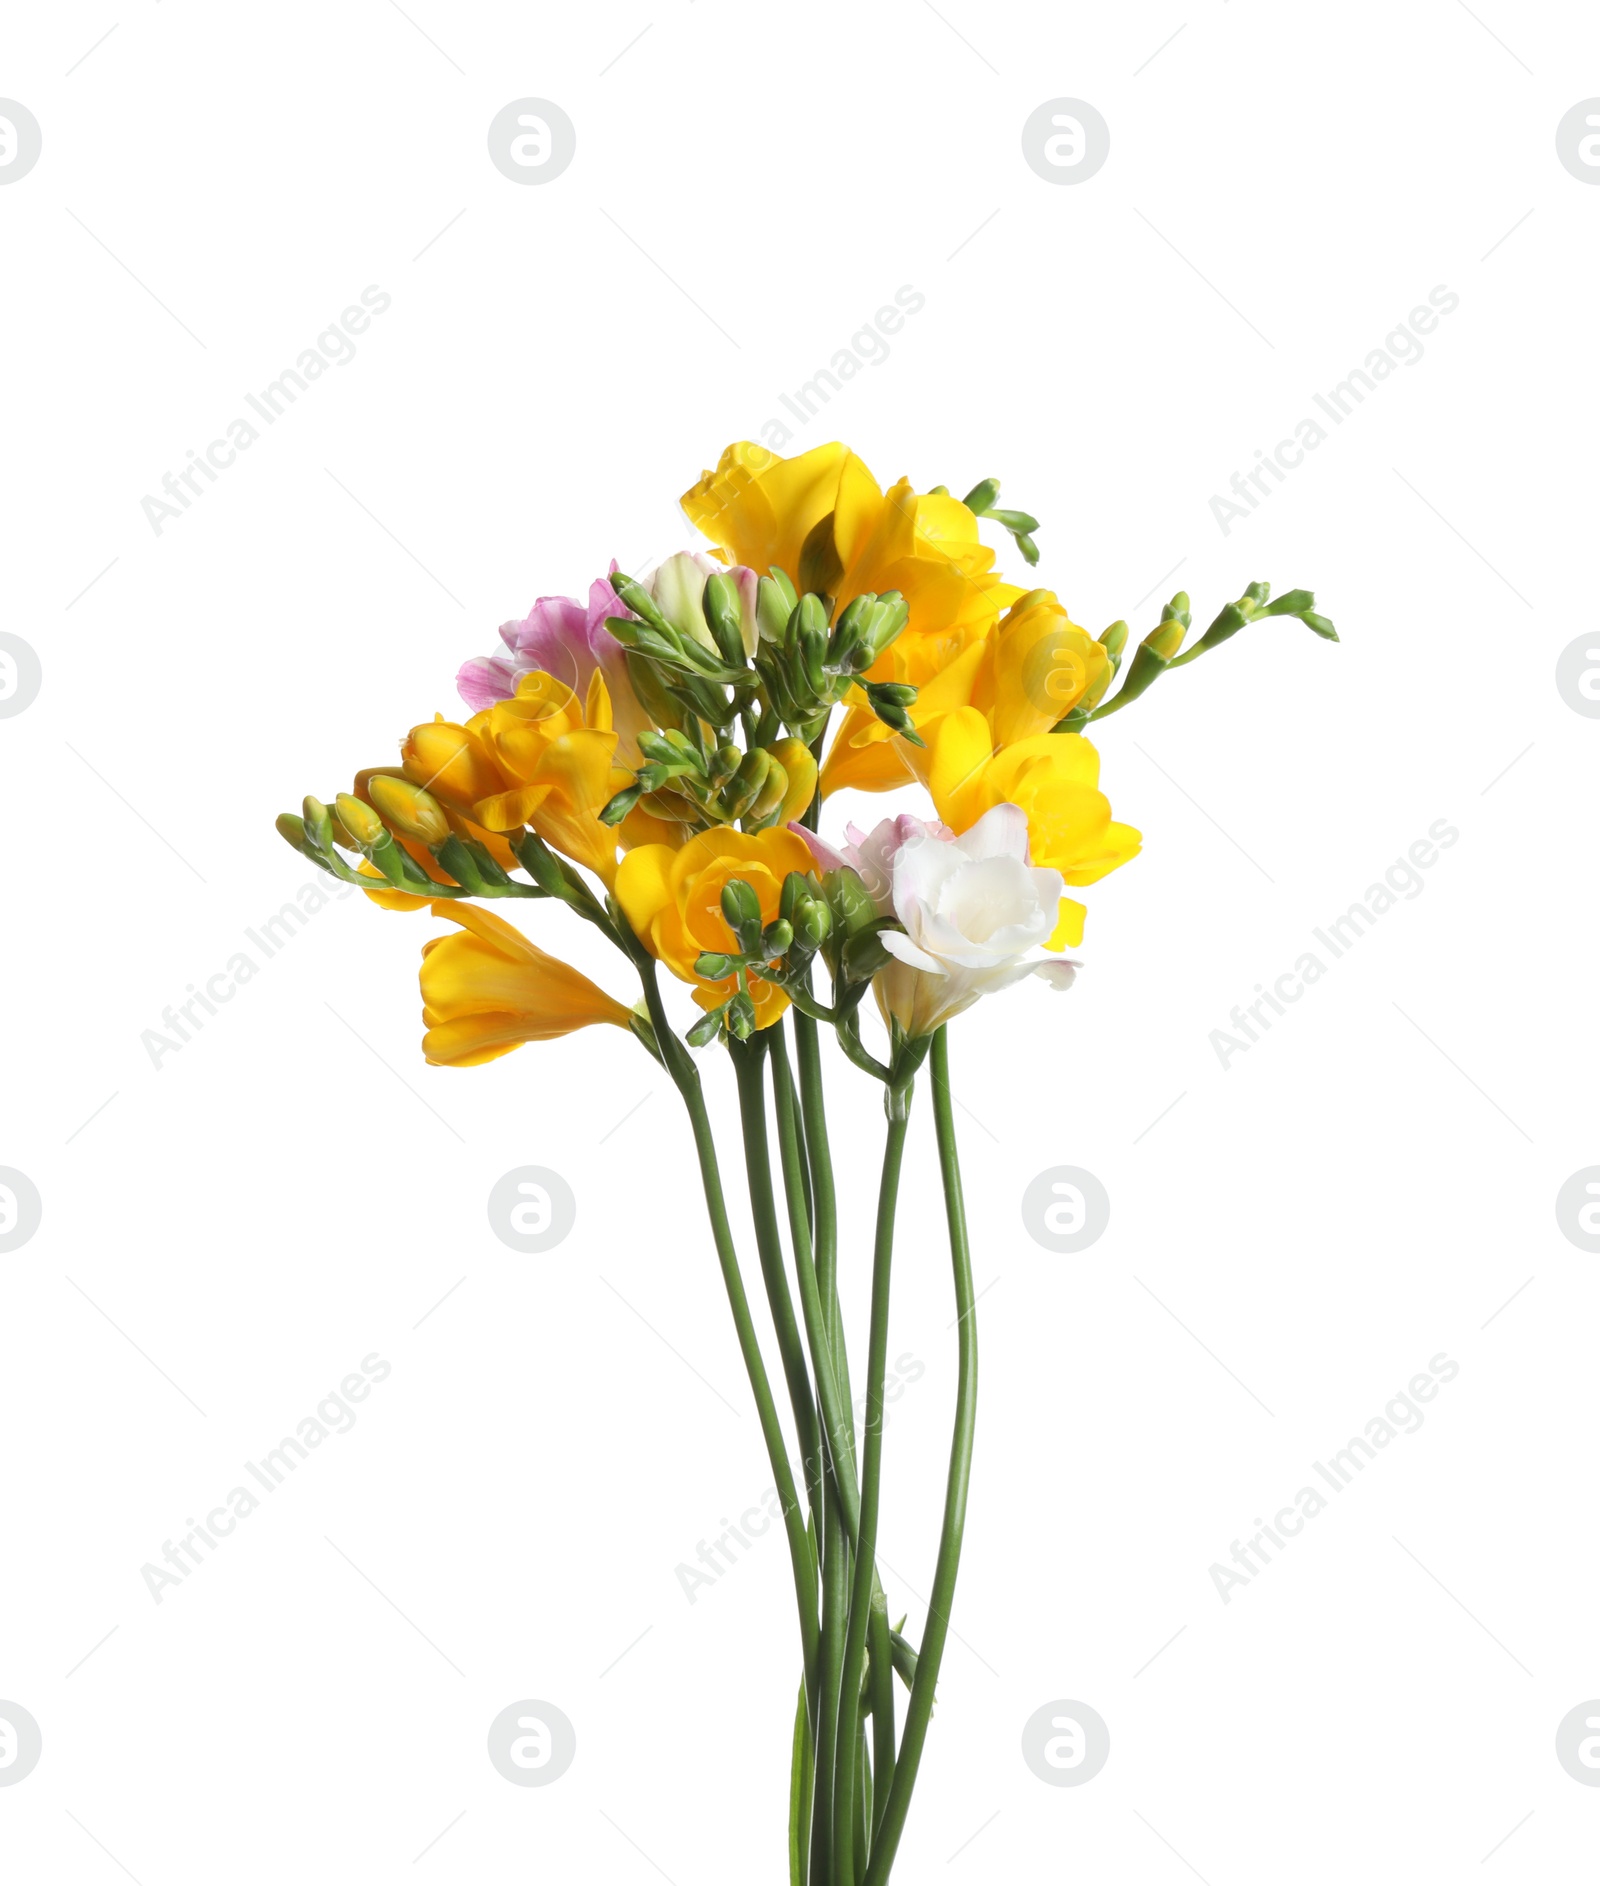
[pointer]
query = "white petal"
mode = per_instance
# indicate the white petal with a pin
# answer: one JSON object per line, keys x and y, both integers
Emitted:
{"x": 1059, "y": 975}
{"x": 1002, "y": 832}
{"x": 899, "y": 945}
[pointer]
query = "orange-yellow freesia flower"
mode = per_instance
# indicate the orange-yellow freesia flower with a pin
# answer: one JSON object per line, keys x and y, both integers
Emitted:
{"x": 489, "y": 989}
{"x": 824, "y": 519}
{"x": 1054, "y": 778}
{"x": 673, "y": 901}
{"x": 556, "y": 756}
{"x": 1034, "y": 667}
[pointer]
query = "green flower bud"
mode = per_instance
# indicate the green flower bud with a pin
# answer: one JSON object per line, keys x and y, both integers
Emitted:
{"x": 814, "y": 923}
{"x": 1115, "y": 640}
{"x": 740, "y": 792}
{"x": 851, "y": 907}
{"x": 741, "y": 909}
{"x": 318, "y": 823}
{"x": 541, "y": 864}
{"x": 982, "y": 495}
{"x": 705, "y": 1030}
{"x": 713, "y": 965}
{"x": 776, "y": 939}
{"x": 741, "y": 1021}
{"x": 774, "y": 602}
{"x": 771, "y": 792}
{"x": 723, "y": 609}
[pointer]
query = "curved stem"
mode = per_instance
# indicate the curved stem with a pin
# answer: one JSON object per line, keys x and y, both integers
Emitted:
{"x": 845, "y": 1778}
{"x": 931, "y": 1653}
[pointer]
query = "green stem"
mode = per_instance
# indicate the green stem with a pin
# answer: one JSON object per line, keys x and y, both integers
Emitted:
{"x": 819, "y": 1153}
{"x": 880, "y": 1690}
{"x": 845, "y": 1779}
{"x": 836, "y": 1421}
{"x": 931, "y": 1653}
{"x": 802, "y": 1555}
{"x": 747, "y": 1061}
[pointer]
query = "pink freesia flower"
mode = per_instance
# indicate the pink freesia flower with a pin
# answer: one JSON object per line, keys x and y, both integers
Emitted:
{"x": 559, "y": 636}
{"x": 971, "y": 906}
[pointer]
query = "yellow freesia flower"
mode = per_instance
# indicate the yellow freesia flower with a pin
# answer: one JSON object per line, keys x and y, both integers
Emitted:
{"x": 1033, "y": 669}
{"x": 824, "y": 519}
{"x": 1054, "y": 778}
{"x": 489, "y": 989}
{"x": 673, "y": 901}
{"x": 557, "y": 760}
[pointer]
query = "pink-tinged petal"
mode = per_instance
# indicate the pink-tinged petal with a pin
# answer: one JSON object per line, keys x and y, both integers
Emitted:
{"x": 604, "y": 602}
{"x": 827, "y": 857}
{"x": 1059, "y": 975}
{"x": 484, "y": 680}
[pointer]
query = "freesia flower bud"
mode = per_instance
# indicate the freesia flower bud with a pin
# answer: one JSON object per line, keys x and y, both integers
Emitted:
{"x": 720, "y": 604}
{"x": 774, "y": 604}
{"x": 292, "y": 830}
{"x": 678, "y": 587}
{"x": 772, "y": 791}
{"x": 1115, "y": 640}
{"x": 849, "y": 902}
{"x": 360, "y": 821}
{"x": 1166, "y": 640}
{"x": 742, "y": 909}
{"x": 408, "y": 809}
{"x": 318, "y": 822}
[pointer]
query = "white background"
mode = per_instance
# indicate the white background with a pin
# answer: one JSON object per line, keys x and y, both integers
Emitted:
{"x": 293, "y": 1190}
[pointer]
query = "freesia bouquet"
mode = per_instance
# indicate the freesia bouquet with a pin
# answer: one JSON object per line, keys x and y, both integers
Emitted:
{"x": 656, "y": 757}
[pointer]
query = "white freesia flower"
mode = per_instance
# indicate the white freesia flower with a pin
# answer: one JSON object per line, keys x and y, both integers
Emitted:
{"x": 972, "y": 906}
